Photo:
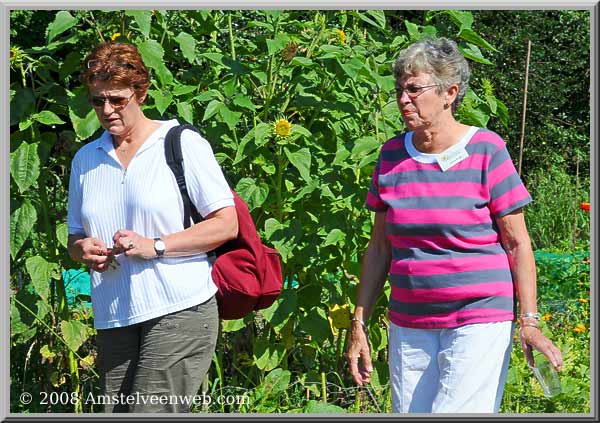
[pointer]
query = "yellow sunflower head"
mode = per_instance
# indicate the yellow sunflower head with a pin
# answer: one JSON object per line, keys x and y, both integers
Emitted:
{"x": 283, "y": 128}
{"x": 16, "y": 55}
{"x": 341, "y": 35}
{"x": 115, "y": 36}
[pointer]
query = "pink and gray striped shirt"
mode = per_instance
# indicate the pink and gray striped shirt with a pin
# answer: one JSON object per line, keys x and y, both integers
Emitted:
{"x": 448, "y": 267}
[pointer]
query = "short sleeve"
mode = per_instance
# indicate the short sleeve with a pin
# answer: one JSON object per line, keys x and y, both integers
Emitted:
{"x": 507, "y": 192}
{"x": 74, "y": 223}
{"x": 205, "y": 181}
{"x": 374, "y": 201}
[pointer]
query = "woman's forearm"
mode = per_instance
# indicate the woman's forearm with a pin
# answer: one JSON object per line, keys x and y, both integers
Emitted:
{"x": 215, "y": 230}
{"x": 375, "y": 268}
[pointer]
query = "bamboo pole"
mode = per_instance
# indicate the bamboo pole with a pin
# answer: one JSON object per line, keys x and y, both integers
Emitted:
{"x": 575, "y": 208}
{"x": 524, "y": 106}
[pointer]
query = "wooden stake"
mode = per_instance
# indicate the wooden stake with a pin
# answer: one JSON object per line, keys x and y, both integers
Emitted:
{"x": 524, "y": 106}
{"x": 575, "y": 207}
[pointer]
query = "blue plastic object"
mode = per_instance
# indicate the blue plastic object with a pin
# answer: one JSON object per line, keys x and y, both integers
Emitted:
{"x": 77, "y": 284}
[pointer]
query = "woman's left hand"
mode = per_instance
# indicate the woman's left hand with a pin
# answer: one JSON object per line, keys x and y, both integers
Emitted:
{"x": 533, "y": 338}
{"x": 133, "y": 245}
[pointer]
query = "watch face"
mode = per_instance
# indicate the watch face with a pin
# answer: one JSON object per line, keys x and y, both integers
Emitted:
{"x": 159, "y": 245}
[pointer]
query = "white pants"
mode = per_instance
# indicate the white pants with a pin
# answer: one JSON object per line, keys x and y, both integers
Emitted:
{"x": 457, "y": 370}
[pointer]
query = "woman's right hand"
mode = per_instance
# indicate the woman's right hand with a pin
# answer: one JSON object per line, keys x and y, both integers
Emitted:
{"x": 358, "y": 348}
{"x": 91, "y": 251}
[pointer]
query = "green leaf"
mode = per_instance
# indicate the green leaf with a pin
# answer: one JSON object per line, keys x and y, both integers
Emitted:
{"x": 365, "y": 145}
{"x": 472, "y": 52}
{"x": 316, "y": 325}
{"x": 188, "y": 46}
{"x": 186, "y": 111}
{"x": 281, "y": 310}
{"x": 230, "y": 117}
{"x": 463, "y": 19}
{"x": 143, "y": 19}
{"x": 63, "y": 21}
{"x": 413, "y": 30}
{"x": 502, "y": 112}
{"x": 266, "y": 355}
{"x": 352, "y": 67}
{"x": 164, "y": 75}
{"x": 378, "y": 16}
{"x": 40, "y": 272}
{"x": 278, "y": 43}
{"x": 252, "y": 193}
{"x": 162, "y": 99}
{"x": 47, "y": 117}
{"x": 474, "y": 38}
{"x": 301, "y": 61}
{"x": 22, "y": 221}
{"x": 475, "y": 117}
{"x": 491, "y": 102}
{"x": 43, "y": 308}
{"x": 25, "y": 165}
{"x": 244, "y": 101}
{"x": 84, "y": 127}
{"x": 320, "y": 407}
{"x": 301, "y": 161}
{"x": 335, "y": 237}
{"x": 62, "y": 234}
{"x": 212, "y": 109}
{"x": 233, "y": 325}
{"x": 152, "y": 53}
{"x": 23, "y": 125}
{"x": 277, "y": 381}
{"x": 184, "y": 89}
{"x": 74, "y": 333}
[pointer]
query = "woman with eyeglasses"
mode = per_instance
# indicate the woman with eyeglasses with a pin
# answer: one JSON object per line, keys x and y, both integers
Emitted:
{"x": 152, "y": 294}
{"x": 450, "y": 233}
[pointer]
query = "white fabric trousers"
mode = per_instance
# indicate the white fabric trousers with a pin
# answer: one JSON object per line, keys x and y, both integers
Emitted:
{"x": 456, "y": 370}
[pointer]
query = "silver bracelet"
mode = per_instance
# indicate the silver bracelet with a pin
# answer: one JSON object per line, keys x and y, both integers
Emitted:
{"x": 535, "y": 316}
{"x": 356, "y": 319}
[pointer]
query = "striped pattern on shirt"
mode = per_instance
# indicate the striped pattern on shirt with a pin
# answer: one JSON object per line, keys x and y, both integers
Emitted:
{"x": 448, "y": 267}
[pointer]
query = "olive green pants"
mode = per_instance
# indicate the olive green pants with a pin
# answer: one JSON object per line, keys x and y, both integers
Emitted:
{"x": 158, "y": 365}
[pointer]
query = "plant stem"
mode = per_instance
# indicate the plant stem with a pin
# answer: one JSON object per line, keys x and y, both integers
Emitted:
{"x": 324, "y": 387}
{"x": 231, "y": 43}
{"x": 52, "y": 331}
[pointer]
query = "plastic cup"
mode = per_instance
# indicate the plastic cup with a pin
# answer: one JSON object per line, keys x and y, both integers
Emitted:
{"x": 546, "y": 375}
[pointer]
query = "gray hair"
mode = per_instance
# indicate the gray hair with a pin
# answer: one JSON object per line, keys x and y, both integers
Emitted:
{"x": 439, "y": 57}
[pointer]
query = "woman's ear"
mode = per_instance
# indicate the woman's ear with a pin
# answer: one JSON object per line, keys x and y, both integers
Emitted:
{"x": 451, "y": 94}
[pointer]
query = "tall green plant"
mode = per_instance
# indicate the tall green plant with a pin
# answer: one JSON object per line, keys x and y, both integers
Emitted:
{"x": 296, "y": 105}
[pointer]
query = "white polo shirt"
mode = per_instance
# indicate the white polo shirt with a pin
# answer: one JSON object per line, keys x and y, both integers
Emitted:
{"x": 103, "y": 198}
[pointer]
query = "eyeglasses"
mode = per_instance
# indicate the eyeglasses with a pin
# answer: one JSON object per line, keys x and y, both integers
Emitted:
{"x": 413, "y": 91}
{"x": 116, "y": 102}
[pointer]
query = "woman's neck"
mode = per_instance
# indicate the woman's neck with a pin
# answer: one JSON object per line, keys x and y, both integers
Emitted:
{"x": 137, "y": 134}
{"x": 435, "y": 140}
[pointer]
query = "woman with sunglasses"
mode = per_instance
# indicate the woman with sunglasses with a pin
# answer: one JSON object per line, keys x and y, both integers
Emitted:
{"x": 152, "y": 294}
{"x": 449, "y": 230}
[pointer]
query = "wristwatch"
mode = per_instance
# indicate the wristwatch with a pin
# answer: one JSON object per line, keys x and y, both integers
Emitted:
{"x": 159, "y": 247}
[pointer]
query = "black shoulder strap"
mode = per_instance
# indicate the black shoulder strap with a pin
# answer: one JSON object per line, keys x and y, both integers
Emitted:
{"x": 175, "y": 161}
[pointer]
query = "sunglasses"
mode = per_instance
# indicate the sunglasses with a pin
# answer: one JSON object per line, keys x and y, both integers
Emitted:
{"x": 116, "y": 102}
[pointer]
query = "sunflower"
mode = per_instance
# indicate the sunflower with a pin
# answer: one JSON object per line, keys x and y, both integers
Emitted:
{"x": 283, "y": 128}
{"x": 115, "y": 36}
{"x": 579, "y": 328}
{"x": 341, "y": 36}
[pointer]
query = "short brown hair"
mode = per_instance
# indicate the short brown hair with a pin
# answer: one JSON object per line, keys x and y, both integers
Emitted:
{"x": 120, "y": 63}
